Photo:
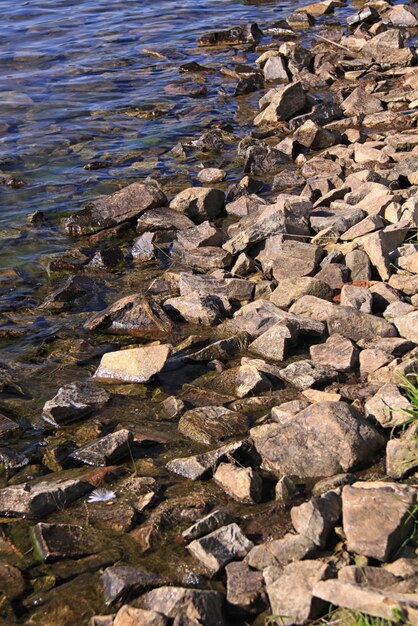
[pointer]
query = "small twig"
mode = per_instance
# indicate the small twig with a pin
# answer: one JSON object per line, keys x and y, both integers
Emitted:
{"x": 334, "y": 43}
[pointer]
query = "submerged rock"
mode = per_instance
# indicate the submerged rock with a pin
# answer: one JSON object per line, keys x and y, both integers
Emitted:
{"x": 127, "y": 582}
{"x": 75, "y": 292}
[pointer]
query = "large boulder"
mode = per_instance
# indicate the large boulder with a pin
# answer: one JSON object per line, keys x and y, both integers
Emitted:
{"x": 122, "y": 206}
{"x": 325, "y": 439}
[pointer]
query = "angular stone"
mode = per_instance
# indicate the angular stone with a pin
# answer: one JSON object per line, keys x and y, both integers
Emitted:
{"x": 121, "y": 206}
{"x": 317, "y": 518}
{"x": 388, "y": 50}
{"x": 143, "y": 249}
{"x": 407, "y": 326}
{"x": 388, "y": 407}
{"x": 304, "y": 374}
{"x": 162, "y": 219}
{"x": 207, "y": 310}
{"x": 135, "y": 365}
{"x": 312, "y": 136}
{"x": 61, "y": 541}
{"x": 131, "y": 616}
{"x": 402, "y": 454}
{"x": 211, "y": 175}
{"x": 7, "y": 426}
{"x": 334, "y": 275}
{"x": 377, "y": 517}
{"x": 205, "y": 259}
{"x": 124, "y": 582}
{"x": 337, "y": 352}
{"x": 40, "y": 499}
{"x": 325, "y": 439}
{"x": 359, "y": 102}
{"x": 356, "y": 325}
{"x": 199, "y": 203}
{"x": 285, "y": 490}
{"x": 220, "y": 547}
{"x": 197, "y": 236}
{"x": 295, "y": 259}
{"x": 280, "y": 552}
{"x": 223, "y": 350}
{"x": 403, "y": 15}
{"x": 359, "y": 298}
{"x": 210, "y": 424}
{"x": 379, "y": 244}
{"x": 247, "y": 33}
{"x": 186, "y": 605}
{"x": 291, "y": 289}
{"x": 195, "y": 467}
{"x": 250, "y": 381}
{"x": 275, "y": 342}
{"x": 231, "y": 288}
{"x": 291, "y": 592}
{"x": 245, "y": 589}
{"x": 283, "y": 103}
{"x": 74, "y": 401}
{"x": 241, "y": 483}
{"x": 372, "y": 360}
{"x": 358, "y": 263}
{"x": 132, "y": 315}
{"x": 211, "y": 522}
{"x": 105, "y": 450}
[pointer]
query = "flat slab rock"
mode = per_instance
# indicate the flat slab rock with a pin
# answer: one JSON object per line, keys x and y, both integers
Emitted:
{"x": 210, "y": 424}
{"x": 61, "y": 541}
{"x": 105, "y": 450}
{"x": 220, "y": 547}
{"x": 183, "y": 604}
{"x": 213, "y": 521}
{"x": 74, "y": 401}
{"x": 135, "y": 365}
{"x": 325, "y": 439}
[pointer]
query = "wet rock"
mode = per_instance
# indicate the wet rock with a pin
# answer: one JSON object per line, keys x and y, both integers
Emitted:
{"x": 208, "y": 425}
{"x": 337, "y": 352}
{"x": 211, "y": 522}
{"x": 317, "y": 518}
{"x": 211, "y": 175}
{"x": 204, "y": 607}
{"x": 117, "y": 517}
{"x": 377, "y": 517}
{"x": 295, "y": 259}
{"x": 135, "y": 365}
{"x": 107, "y": 259}
{"x": 304, "y": 374}
{"x": 143, "y": 249}
{"x": 7, "y": 426}
{"x": 11, "y": 581}
{"x": 11, "y": 460}
{"x": 245, "y": 589}
{"x": 195, "y": 467}
{"x": 131, "y": 616}
{"x": 241, "y": 483}
{"x": 231, "y": 288}
{"x": 40, "y": 499}
{"x": 132, "y": 315}
{"x": 127, "y": 582}
{"x": 335, "y": 439}
{"x": 290, "y": 592}
{"x": 368, "y": 15}
{"x": 388, "y": 407}
{"x": 281, "y": 104}
{"x": 275, "y": 342}
{"x": 402, "y": 454}
{"x": 206, "y": 310}
{"x": 77, "y": 292}
{"x": 199, "y": 203}
{"x": 105, "y": 450}
{"x": 74, "y": 401}
{"x": 61, "y": 541}
{"x": 248, "y": 33}
{"x": 280, "y": 552}
{"x": 162, "y": 219}
{"x": 220, "y": 547}
{"x": 122, "y": 206}
{"x": 291, "y": 289}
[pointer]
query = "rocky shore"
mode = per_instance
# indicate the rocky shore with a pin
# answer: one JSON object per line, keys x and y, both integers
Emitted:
{"x": 228, "y": 435}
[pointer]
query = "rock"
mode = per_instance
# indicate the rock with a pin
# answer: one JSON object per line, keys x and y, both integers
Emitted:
{"x": 334, "y": 275}
{"x": 77, "y": 292}
{"x": 372, "y": 360}
{"x": 407, "y": 326}
{"x": 366, "y": 226}
{"x": 388, "y": 407}
{"x": 134, "y": 365}
{"x": 274, "y": 69}
{"x": 248, "y": 33}
{"x": 207, "y": 310}
{"x": 250, "y": 380}
{"x": 335, "y": 439}
{"x": 131, "y": 616}
{"x": 280, "y": 552}
{"x": 122, "y": 206}
{"x": 222, "y": 350}
{"x": 275, "y": 342}
{"x": 359, "y": 298}
{"x": 7, "y": 426}
{"x": 40, "y": 499}
{"x": 107, "y": 259}
{"x": 377, "y": 517}
{"x": 162, "y": 218}
{"x": 124, "y": 582}
{"x": 241, "y": 483}
{"x": 199, "y": 203}
{"x": 337, "y": 352}
{"x": 211, "y": 175}
{"x": 245, "y": 589}
{"x": 211, "y": 522}
{"x": 367, "y": 15}
{"x": 105, "y": 450}
{"x": 74, "y": 401}
{"x": 210, "y": 424}
{"x": 358, "y": 263}
{"x": 291, "y": 289}
{"x": 143, "y": 249}
{"x": 295, "y": 259}
{"x": 61, "y": 541}
{"x": 204, "y": 259}
{"x": 388, "y": 50}
{"x": 379, "y": 603}
{"x": 317, "y": 518}
{"x": 402, "y": 454}
{"x": 314, "y": 137}
{"x": 379, "y": 244}
{"x": 356, "y": 325}
{"x": 186, "y": 605}
{"x": 220, "y": 547}
{"x": 327, "y": 484}
{"x": 132, "y": 315}
{"x": 198, "y": 236}
{"x": 383, "y": 296}
{"x": 231, "y": 288}
{"x": 11, "y": 581}
{"x": 360, "y": 102}
{"x": 304, "y": 374}
{"x": 290, "y": 593}
{"x": 195, "y": 467}
{"x": 282, "y": 103}
{"x": 244, "y": 266}
{"x": 285, "y": 490}
{"x": 404, "y": 15}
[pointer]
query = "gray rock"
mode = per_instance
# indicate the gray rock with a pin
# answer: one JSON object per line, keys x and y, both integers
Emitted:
{"x": 285, "y": 490}
{"x": 250, "y": 381}
{"x": 199, "y": 203}
{"x": 325, "y": 439}
{"x": 162, "y": 219}
{"x": 183, "y": 604}
{"x": 303, "y": 374}
{"x": 317, "y": 518}
{"x": 356, "y": 325}
{"x": 339, "y": 480}
{"x": 105, "y": 450}
{"x": 222, "y": 350}
{"x": 337, "y": 352}
{"x": 131, "y": 616}
{"x": 172, "y": 407}
{"x": 291, "y": 289}
{"x": 295, "y": 259}
{"x": 274, "y": 69}
{"x": 210, "y": 424}
{"x": 220, "y": 547}
{"x": 207, "y": 310}
{"x": 206, "y": 258}
{"x": 213, "y": 521}
{"x": 74, "y": 401}
{"x": 241, "y": 483}
{"x": 282, "y": 103}
{"x": 61, "y": 541}
{"x": 280, "y": 552}
{"x": 334, "y": 275}
{"x": 211, "y": 175}
{"x": 287, "y": 410}
{"x": 377, "y": 517}
{"x": 407, "y": 326}
{"x": 124, "y": 582}
{"x": 197, "y": 236}
{"x": 359, "y": 298}
{"x": 245, "y": 589}
{"x": 76, "y": 292}
{"x": 121, "y": 206}
{"x": 200, "y": 465}
{"x": 231, "y": 288}
{"x": 388, "y": 407}
{"x": 312, "y": 136}
{"x": 402, "y": 454}
{"x": 358, "y": 263}
{"x": 275, "y": 342}
{"x": 143, "y": 249}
